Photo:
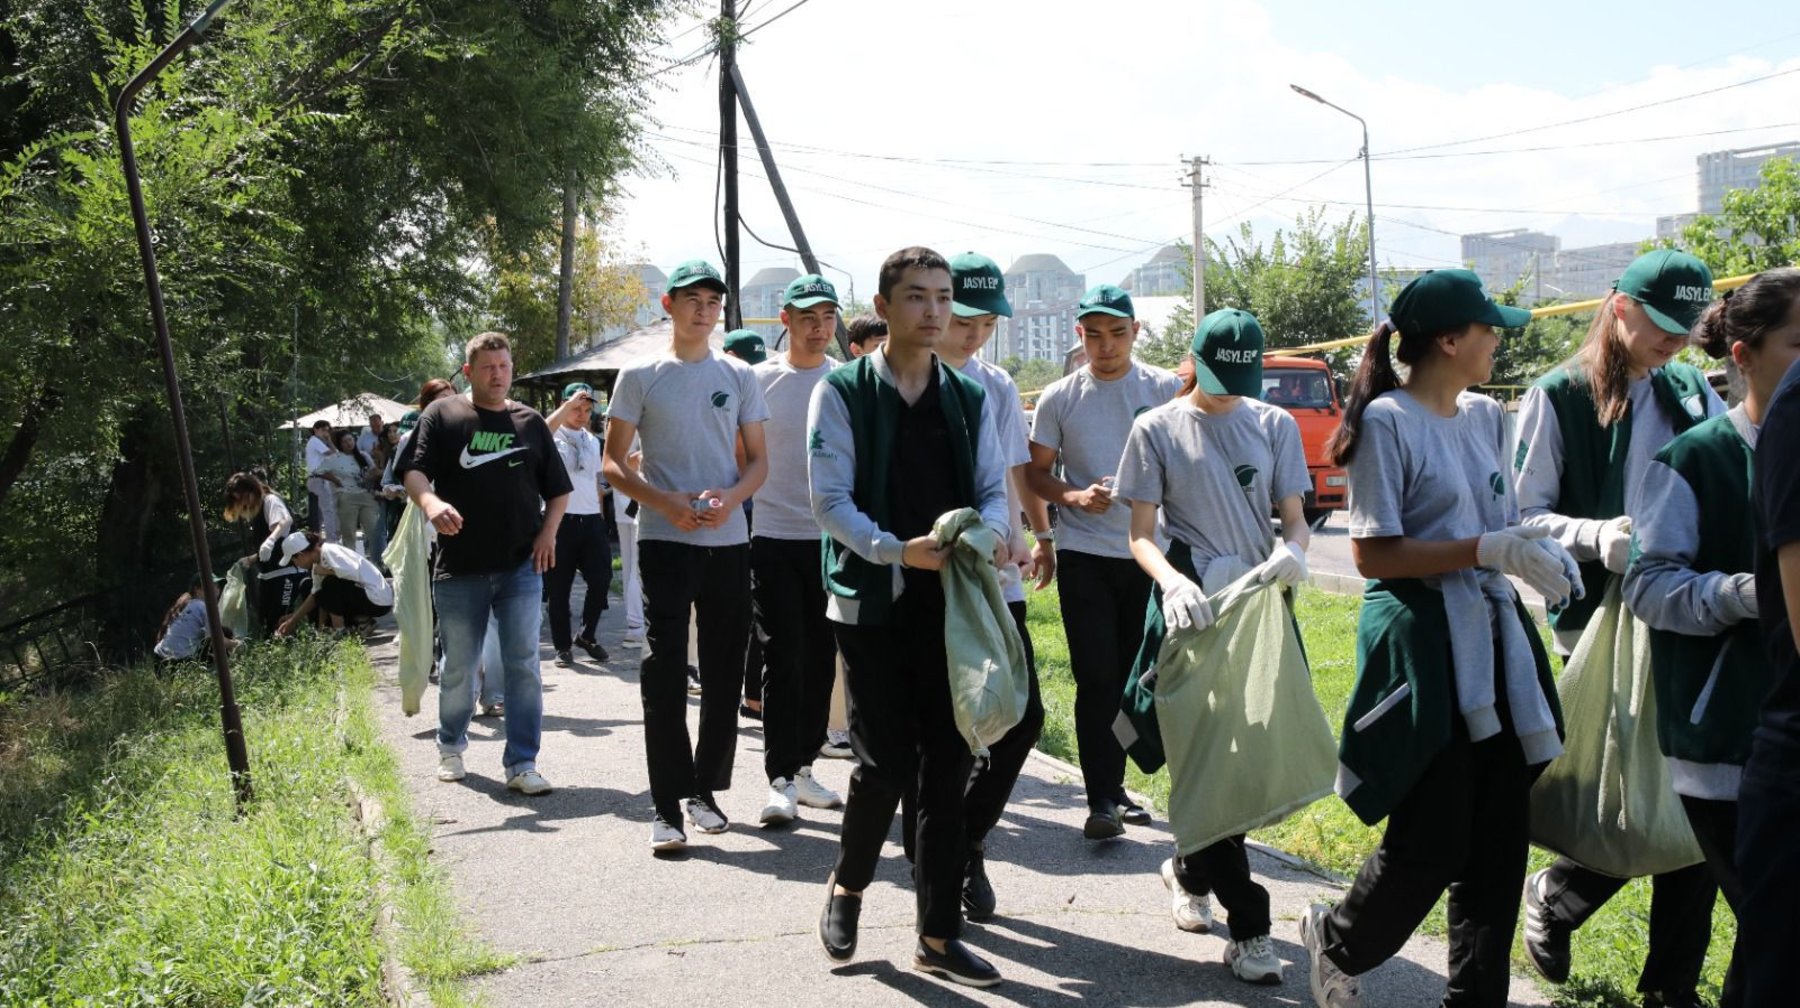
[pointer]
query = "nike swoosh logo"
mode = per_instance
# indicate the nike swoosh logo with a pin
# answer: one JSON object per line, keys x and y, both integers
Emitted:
{"x": 471, "y": 461}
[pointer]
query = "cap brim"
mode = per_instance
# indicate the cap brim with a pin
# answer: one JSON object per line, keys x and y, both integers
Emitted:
{"x": 1666, "y": 322}
{"x": 701, "y": 281}
{"x": 974, "y": 309}
{"x": 808, "y": 302}
{"x": 1243, "y": 383}
{"x": 1505, "y": 316}
{"x": 1103, "y": 310}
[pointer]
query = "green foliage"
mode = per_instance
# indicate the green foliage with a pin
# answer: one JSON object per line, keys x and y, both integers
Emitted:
{"x": 1031, "y": 375}
{"x": 1756, "y": 229}
{"x": 1525, "y": 354}
{"x": 523, "y": 297}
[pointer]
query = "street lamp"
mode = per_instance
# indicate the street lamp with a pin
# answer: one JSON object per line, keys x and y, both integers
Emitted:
{"x": 1369, "y": 192}
{"x": 236, "y": 756}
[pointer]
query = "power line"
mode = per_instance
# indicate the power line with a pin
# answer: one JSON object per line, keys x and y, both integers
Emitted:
{"x": 1537, "y": 149}
{"x": 754, "y": 29}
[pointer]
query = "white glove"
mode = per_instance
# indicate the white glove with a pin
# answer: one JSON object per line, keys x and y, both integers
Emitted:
{"x": 1184, "y": 606}
{"x": 1737, "y": 597}
{"x": 1516, "y": 550}
{"x": 263, "y": 553}
{"x": 1615, "y": 543}
{"x": 1570, "y": 567}
{"x": 1286, "y": 565}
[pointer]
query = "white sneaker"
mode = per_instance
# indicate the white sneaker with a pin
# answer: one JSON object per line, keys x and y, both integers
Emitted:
{"x": 1192, "y": 913}
{"x": 529, "y": 782}
{"x": 450, "y": 768}
{"x": 1253, "y": 960}
{"x": 705, "y": 818}
{"x": 780, "y": 808}
{"x": 837, "y": 745}
{"x": 1331, "y": 987}
{"x": 664, "y": 837}
{"x": 635, "y": 639}
{"x": 811, "y": 793}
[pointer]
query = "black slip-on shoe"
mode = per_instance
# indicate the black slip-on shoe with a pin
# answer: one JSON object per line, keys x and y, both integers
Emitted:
{"x": 837, "y": 925}
{"x": 592, "y": 647}
{"x": 1102, "y": 826}
{"x": 1133, "y": 814}
{"x": 977, "y": 893}
{"x": 956, "y": 964}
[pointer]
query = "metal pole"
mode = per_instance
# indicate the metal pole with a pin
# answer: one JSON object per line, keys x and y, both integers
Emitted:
{"x": 236, "y": 756}
{"x": 781, "y": 197}
{"x": 1369, "y": 195}
{"x": 734, "y": 313}
{"x": 1199, "y": 185}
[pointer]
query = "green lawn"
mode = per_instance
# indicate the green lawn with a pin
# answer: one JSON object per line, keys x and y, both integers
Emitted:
{"x": 128, "y": 880}
{"x": 1608, "y": 952}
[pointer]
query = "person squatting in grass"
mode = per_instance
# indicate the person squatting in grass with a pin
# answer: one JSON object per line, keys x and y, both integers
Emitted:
{"x": 1693, "y": 581}
{"x": 348, "y": 589}
{"x": 480, "y": 466}
{"x": 1448, "y": 759}
{"x": 1207, "y": 469}
{"x": 1587, "y": 432}
{"x": 688, "y": 408}
{"x": 897, "y": 439}
{"x": 1082, "y": 421}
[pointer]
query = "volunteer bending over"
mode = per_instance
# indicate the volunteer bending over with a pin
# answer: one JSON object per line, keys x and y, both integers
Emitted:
{"x": 1214, "y": 461}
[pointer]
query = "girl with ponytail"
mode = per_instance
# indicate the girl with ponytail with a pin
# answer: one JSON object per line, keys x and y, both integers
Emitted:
{"x": 1454, "y": 712}
{"x": 1587, "y": 433}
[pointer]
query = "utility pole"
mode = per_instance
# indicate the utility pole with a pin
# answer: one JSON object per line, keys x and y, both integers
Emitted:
{"x": 565, "y": 283}
{"x": 728, "y": 167}
{"x": 1199, "y": 184}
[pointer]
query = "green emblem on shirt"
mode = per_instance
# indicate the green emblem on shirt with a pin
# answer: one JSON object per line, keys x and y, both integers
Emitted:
{"x": 1140, "y": 411}
{"x": 719, "y": 399}
{"x": 1497, "y": 483}
{"x": 815, "y": 440}
{"x": 1519, "y": 456}
{"x": 1246, "y": 476}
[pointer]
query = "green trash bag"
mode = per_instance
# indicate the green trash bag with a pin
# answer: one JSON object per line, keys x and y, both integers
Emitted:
{"x": 234, "y": 607}
{"x": 989, "y": 680}
{"x": 408, "y": 556}
{"x": 1246, "y": 741}
{"x": 1608, "y": 802}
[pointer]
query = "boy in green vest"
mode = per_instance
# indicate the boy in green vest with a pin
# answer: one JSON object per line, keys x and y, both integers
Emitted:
{"x": 895, "y": 440}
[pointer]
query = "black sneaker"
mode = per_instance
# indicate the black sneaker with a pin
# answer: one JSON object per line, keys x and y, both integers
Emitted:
{"x": 749, "y": 712}
{"x": 837, "y": 923}
{"x": 1546, "y": 938}
{"x": 564, "y": 659}
{"x": 1102, "y": 826}
{"x": 956, "y": 963}
{"x": 977, "y": 893}
{"x": 1132, "y": 813}
{"x": 592, "y": 647}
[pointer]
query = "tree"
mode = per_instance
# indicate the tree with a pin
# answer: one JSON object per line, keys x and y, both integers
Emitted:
{"x": 1526, "y": 353}
{"x": 1034, "y": 374}
{"x": 525, "y": 287}
{"x": 1756, "y": 229}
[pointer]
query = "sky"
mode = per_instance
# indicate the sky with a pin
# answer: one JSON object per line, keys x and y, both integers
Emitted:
{"x": 1010, "y": 127}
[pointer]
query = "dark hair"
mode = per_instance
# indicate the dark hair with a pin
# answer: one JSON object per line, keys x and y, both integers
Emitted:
{"x": 362, "y": 461}
{"x": 914, "y": 257}
{"x": 193, "y": 592}
{"x": 1748, "y": 314}
{"x": 866, "y": 327}
{"x": 1374, "y": 376}
{"x": 320, "y": 423}
{"x": 432, "y": 389}
{"x": 313, "y": 542}
{"x": 242, "y": 485}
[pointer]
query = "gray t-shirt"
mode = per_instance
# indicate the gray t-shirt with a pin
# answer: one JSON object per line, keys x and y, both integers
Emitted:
{"x": 1087, "y": 421}
{"x": 1425, "y": 476}
{"x": 1215, "y": 475}
{"x": 1015, "y": 450}
{"x": 784, "y": 505}
{"x": 687, "y": 414}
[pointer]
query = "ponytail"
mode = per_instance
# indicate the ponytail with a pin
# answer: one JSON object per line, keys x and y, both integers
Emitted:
{"x": 1374, "y": 376}
{"x": 1748, "y": 314}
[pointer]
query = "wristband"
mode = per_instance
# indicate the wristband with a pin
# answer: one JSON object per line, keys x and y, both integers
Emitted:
{"x": 1048, "y": 535}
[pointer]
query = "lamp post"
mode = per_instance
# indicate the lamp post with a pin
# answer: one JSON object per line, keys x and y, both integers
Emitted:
{"x": 236, "y": 755}
{"x": 1369, "y": 193}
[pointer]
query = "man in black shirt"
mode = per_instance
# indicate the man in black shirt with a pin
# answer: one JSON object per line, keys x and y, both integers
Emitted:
{"x": 478, "y": 465}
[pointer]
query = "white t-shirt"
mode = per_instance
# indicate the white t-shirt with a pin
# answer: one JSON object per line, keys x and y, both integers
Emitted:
{"x": 317, "y": 451}
{"x": 1015, "y": 449}
{"x": 784, "y": 504}
{"x": 580, "y": 451}
{"x": 350, "y": 565}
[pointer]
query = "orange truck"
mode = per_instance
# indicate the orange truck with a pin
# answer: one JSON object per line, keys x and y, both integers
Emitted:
{"x": 1303, "y": 387}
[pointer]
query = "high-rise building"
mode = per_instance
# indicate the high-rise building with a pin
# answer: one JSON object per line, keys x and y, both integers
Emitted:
{"x": 1670, "y": 226}
{"x": 1722, "y": 171}
{"x": 1584, "y": 273}
{"x": 656, "y": 284}
{"x": 761, "y": 299}
{"x": 1044, "y": 294}
{"x": 1165, "y": 275}
{"x": 1503, "y": 258}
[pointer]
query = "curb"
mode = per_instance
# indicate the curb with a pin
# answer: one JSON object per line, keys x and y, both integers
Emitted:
{"x": 399, "y": 987}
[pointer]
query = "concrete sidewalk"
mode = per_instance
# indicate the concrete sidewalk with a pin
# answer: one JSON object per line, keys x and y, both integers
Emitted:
{"x": 567, "y": 882}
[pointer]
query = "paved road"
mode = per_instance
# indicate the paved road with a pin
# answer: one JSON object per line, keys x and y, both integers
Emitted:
{"x": 1330, "y": 555}
{"x": 566, "y": 882}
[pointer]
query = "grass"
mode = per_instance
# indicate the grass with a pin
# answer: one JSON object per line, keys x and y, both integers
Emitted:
{"x": 1608, "y": 951}
{"x": 128, "y": 880}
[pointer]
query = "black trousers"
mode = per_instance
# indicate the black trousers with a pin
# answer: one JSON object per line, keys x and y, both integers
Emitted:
{"x": 341, "y": 597}
{"x": 581, "y": 547}
{"x": 714, "y": 581}
{"x": 1681, "y": 906}
{"x": 1768, "y": 865}
{"x": 1223, "y": 869}
{"x": 755, "y": 661}
{"x": 904, "y": 733}
{"x": 1715, "y": 827}
{"x": 1103, "y": 601}
{"x": 788, "y": 591}
{"x": 1463, "y": 827}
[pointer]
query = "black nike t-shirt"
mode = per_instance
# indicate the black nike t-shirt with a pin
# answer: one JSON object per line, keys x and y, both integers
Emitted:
{"x": 496, "y": 467}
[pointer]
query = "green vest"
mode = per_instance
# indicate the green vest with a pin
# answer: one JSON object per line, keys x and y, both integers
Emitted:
{"x": 874, "y": 406}
{"x": 1732, "y": 671}
{"x": 1593, "y": 459}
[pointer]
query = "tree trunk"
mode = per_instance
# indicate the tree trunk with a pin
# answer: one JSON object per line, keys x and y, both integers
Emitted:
{"x": 31, "y": 426}
{"x": 124, "y": 541}
{"x": 565, "y": 288}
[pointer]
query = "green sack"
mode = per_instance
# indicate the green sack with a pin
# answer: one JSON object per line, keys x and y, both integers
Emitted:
{"x": 989, "y": 680}
{"x": 408, "y": 556}
{"x": 1608, "y": 802}
{"x": 1135, "y": 727}
{"x": 1247, "y": 743}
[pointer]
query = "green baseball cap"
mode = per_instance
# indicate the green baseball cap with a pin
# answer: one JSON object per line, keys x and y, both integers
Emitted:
{"x": 809, "y": 290}
{"x": 979, "y": 285}
{"x": 696, "y": 271}
{"x": 570, "y": 389}
{"x": 1107, "y": 300}
{"x": 746, "y": 344}
{"x": 1227, "y": 351}
{"x": 1673, "y": 287}
{"x": 1444, "y": 300}
{"x": 409, "y": 421}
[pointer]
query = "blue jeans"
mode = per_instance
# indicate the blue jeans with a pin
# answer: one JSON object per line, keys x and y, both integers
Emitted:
{"x": 465, "y": 603}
